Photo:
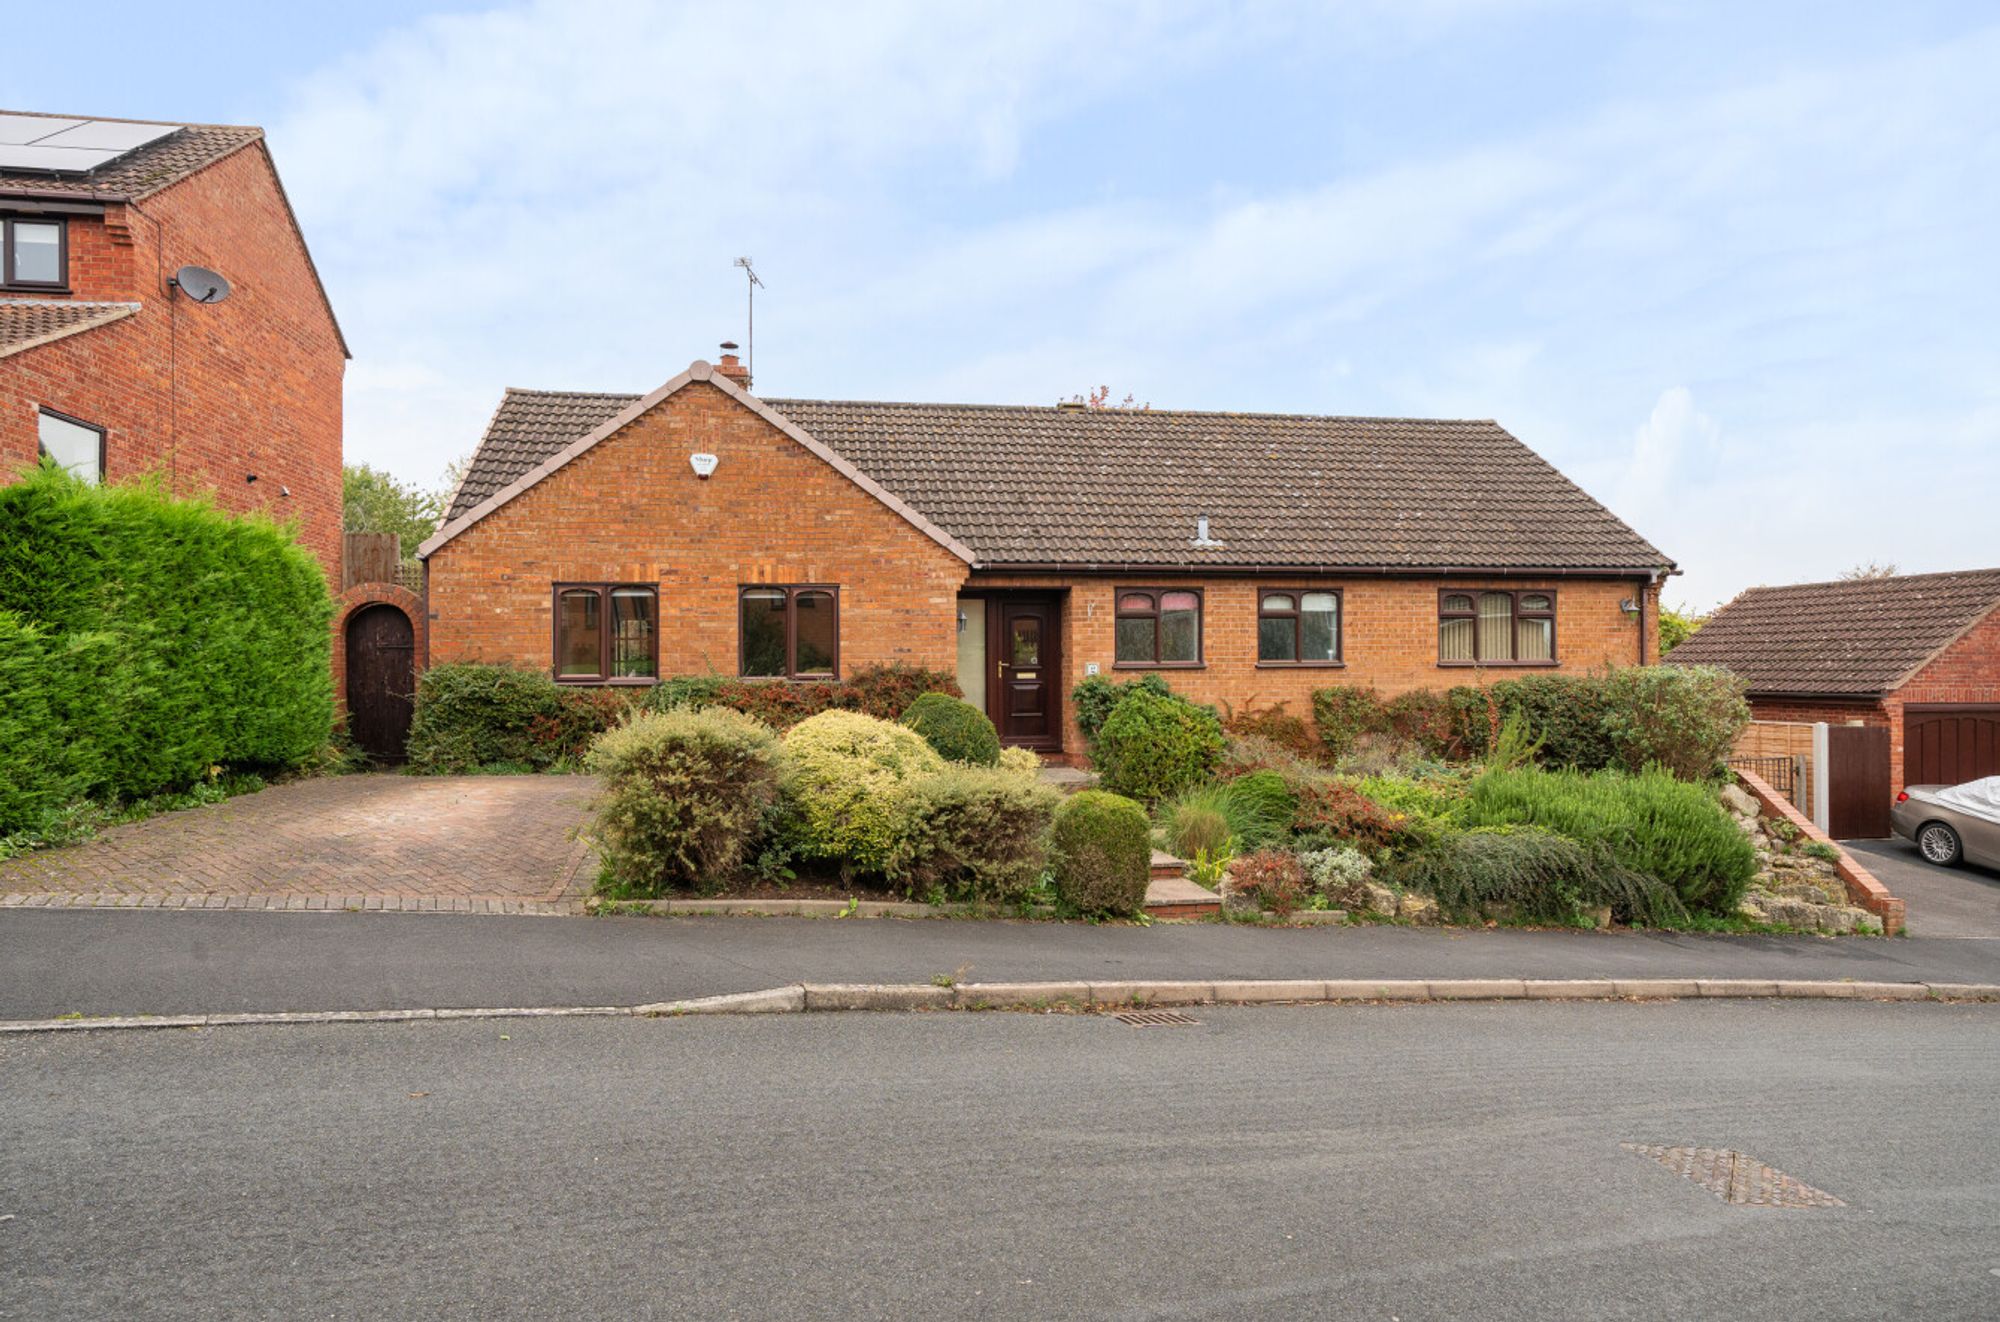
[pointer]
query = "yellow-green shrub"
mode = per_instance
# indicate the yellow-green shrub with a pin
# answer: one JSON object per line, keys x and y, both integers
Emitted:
{"x": 843, "y": 775}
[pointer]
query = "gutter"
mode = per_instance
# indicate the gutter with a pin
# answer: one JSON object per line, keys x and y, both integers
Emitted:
{"x": 1348, "y": 571}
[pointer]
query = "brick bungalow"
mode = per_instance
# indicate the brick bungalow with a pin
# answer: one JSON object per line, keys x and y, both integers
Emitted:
{"x": 1250, "y": 558}
{"x": 1917, "y": 654}
{"x": 108, "y": 366}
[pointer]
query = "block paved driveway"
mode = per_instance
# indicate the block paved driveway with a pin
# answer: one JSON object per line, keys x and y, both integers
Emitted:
{"x": 365, "y": 841}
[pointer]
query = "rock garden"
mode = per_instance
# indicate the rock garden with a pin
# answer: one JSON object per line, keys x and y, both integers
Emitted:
{"x": 1542, "y": 800}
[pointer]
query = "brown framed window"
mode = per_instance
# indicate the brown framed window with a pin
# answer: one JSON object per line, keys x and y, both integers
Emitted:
{"x": 34, "y": 253}
{"x": 1158, "y": 627}
{"x": 607, "y": 633}
{"x": 1516, "y": 628}
{"x": 1298, "y": 627}
{"x": 789, "y": 631}
{"x": 75, "y": 445}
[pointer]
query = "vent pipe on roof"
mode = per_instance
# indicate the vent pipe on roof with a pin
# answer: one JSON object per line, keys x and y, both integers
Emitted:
{"x": 1201, "y": 537}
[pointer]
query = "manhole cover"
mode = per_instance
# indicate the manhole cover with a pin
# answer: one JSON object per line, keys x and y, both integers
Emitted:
{"x": 1736, "y": 1177}
{"x": 1155, "y": 1018}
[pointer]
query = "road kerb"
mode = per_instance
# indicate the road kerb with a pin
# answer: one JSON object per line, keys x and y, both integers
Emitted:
{"x": 795, "y": 998}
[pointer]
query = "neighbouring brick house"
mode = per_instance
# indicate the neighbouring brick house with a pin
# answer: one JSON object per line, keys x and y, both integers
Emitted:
{"x": 110, "y": 367}
{"x": 1917, "y": 654}
{"x": 1250, "y": 558}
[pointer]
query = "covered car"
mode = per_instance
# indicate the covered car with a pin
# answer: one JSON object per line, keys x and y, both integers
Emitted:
{"x": 1952, "y": 824}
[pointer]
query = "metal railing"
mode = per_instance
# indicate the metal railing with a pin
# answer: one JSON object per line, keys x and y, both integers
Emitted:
{"x": 1785, "y": 774}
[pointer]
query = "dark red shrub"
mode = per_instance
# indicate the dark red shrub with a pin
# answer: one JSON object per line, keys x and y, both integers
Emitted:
{"x": 1273, "y": 877}
{"x": 1338, "y": 811}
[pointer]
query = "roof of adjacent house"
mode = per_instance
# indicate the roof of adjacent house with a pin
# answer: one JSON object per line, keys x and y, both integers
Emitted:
{"x": 27, "y": 322}
{"x": 1075, "y": 487}
{"x": 1852, "y": 637}
{"x": 140, "y": 172}
{"x": 144, "y": 171}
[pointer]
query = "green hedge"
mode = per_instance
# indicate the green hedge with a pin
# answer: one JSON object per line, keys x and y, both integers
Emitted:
{"x": 475, "y": 717}
{"x": 884, "y": 692}
{"x": 145, "y": 639}
{"x": 1685, "y": 718}
{"x": 1154, "y": 745}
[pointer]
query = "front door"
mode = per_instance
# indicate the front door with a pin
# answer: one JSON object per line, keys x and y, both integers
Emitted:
{"x": 1027, "y": 669}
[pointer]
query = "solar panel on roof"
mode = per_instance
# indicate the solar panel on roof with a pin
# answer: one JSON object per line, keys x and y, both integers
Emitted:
{"x": 71, "y": 146}
{"x": 19, "y": 129}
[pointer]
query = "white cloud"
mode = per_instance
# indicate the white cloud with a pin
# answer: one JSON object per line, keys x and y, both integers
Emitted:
{"x": 551, "y": 194}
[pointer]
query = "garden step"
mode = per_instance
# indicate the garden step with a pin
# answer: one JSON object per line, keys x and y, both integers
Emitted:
{"x": 1166, "y": 867}
{"x": 1177, "y": 897}
{"x": 1068, "y": 779}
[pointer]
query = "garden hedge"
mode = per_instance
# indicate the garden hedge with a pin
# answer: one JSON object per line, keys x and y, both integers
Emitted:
{"x": 146, "y": 639}
{"x": 884, "y": 692}
{"x": 1154, "y": 745}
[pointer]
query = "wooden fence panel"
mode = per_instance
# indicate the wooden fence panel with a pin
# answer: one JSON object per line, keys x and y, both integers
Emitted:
{"x": 369, "y": 557}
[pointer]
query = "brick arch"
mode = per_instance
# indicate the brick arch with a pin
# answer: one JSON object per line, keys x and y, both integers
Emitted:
{"x": 373, "y": 594}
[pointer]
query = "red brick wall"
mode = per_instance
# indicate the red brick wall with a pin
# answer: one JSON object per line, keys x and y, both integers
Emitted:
{"x": 1966, "y": 671}
{"x": 631, "y": 510}
{"x": 259, "y": 375}
{"x": 1389, "y": 635}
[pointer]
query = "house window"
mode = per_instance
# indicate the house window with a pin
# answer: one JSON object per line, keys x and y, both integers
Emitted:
{"x": 1298, "y": 628}
{"x": 1496, "y": 628}
{"x": 1158, "y": 627}
{"x": 33, "y": 254}
{"x": 74, "y": 444}
{"x": 789, "y": 632}
{"x": 607, "y": 633}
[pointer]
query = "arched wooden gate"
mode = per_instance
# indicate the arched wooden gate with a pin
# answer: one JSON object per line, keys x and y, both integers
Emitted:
{"x": 381, "y": 680}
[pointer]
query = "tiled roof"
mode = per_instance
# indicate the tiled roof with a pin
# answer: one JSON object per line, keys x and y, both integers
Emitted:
{"x": 1855, "y": 636}
{"x": 27, "y": 322}
{"x": 1026, "y": 485}
{"x": 138, "y": 173}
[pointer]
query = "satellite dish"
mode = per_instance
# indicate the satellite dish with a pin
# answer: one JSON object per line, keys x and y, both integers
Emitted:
{"x": 201, "y": 284}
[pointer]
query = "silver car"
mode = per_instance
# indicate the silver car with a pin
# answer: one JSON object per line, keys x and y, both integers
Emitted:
{"x": 1951, "y": 824}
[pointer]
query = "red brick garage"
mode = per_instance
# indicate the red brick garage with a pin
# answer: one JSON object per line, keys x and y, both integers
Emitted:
{"x": 1916, "y": 654}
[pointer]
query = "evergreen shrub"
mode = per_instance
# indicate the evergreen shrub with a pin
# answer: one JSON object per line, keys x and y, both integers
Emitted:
{"x": 1102, "y": 851}
{"x": 959, "y": 731}
{"x": 1154, "y": 745}
{"x": 147, "y": 639}
{"x": 972, "y": 833}
{"x": 843, "y": 778}
{"x": 684, "y": 794}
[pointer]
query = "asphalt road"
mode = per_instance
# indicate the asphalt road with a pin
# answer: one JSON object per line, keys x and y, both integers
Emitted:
{"x": 110, "y": 962}
{"x": 1301, "y": 1162}
{"x": 1951, "y": 902}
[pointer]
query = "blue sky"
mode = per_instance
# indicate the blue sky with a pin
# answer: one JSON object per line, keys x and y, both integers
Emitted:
{"x": 1732, "y": 267}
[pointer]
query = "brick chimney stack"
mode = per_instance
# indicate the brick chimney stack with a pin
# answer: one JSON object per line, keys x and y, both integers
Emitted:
{"x": 732, "y": 367}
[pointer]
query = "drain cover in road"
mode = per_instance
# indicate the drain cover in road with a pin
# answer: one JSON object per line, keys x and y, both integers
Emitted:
{"x": 1155, "y": 1018}
{"x": 1736, "y": 1177}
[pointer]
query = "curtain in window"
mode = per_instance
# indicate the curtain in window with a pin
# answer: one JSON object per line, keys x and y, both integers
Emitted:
{"x": 1180, "y": 626}
{"x": 1137, "y": 627}
{"x": 1319, "y": 626}
{"x": 1277, "y": 632}
{"x": 1455, "y": 635}
{"x": 1535, "y": 631}
{"x": 1496, "y": 626}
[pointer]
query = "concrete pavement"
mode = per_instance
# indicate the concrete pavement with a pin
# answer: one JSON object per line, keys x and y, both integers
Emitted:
{"x": 100, "y": 962}
{"x": 1284, "y": 1163}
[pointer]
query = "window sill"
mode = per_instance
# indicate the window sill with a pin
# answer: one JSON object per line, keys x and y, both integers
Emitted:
{"x": 1301, "y": 665}
{"x": 37, "y": 289}
{"x": 1499, "y": 665}
{"x": 1159, "y": 665}
{"x": 789, "y": 679}
{"x": 597, "y": 682}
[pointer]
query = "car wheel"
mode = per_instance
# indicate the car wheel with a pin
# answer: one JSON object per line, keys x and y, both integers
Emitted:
{"x": 1939, "y": 844}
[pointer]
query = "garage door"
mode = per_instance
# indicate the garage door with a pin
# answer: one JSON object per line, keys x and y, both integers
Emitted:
{"x": 1950, "y": 745}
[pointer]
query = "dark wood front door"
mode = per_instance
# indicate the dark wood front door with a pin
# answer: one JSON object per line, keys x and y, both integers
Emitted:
{"x": 1857, "y": 782}
{"x": 381, "y": 680}
{"x": 1026, "y": 656}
